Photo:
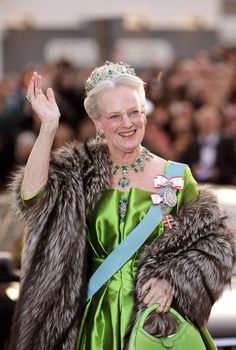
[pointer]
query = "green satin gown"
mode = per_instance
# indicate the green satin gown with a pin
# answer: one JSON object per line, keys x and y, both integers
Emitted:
{"x": 107, "y": 315}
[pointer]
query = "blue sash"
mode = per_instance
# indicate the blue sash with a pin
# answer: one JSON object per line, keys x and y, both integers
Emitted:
{"x": 128, "y": 247}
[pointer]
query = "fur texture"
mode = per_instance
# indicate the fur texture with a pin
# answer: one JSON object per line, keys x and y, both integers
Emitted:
{"x": 196, "y": 256}
{"x": 160, "y": 325}
{"x": 54, "y": 279}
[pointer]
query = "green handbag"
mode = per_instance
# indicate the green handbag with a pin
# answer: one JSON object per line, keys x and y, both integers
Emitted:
{"x": 187, "y": 337}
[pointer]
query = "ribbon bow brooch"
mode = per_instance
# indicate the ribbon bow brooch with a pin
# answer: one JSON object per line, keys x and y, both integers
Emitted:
{"x": 168, "y": 198}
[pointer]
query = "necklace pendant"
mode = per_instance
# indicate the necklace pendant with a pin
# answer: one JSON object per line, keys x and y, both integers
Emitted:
{"x": 133, "y": 166}
{"x": 124, "y": 179}
{"x": 123, "y": 183}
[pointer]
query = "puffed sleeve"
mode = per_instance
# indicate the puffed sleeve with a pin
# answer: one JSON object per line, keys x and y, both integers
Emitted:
{"x": 64, "y": 173}
{"x": 190, "y": 190}
{"x": 33, "y": 199}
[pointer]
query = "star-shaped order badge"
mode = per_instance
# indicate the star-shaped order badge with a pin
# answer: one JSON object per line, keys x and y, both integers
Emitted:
{"x": 168, "y": 198}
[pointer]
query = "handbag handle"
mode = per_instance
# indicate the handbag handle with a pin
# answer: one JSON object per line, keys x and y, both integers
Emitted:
{"x": 153, "y": 307}
{"x": 167, "y": 342}
{"x": 186, "y": 337}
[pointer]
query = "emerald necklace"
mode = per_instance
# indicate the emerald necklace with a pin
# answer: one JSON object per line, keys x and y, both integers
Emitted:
{"x": 137, "y": 165}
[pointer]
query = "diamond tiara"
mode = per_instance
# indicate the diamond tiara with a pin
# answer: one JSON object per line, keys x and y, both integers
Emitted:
{"x": 107, "y": 72}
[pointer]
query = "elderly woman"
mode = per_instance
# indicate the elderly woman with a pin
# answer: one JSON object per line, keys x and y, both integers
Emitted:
{"x": 83, "y": 201}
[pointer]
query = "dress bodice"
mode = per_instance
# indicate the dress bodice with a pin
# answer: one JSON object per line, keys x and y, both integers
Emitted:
{"x": 106, "y": 229}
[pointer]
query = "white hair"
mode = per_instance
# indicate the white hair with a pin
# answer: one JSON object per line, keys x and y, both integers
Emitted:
{"x": 90, "y": 102}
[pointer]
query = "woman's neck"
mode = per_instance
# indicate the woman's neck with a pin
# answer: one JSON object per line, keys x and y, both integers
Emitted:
{"x": 125, "y": 158}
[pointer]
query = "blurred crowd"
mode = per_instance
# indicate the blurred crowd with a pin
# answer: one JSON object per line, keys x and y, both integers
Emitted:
{"x": 191, "y": 109}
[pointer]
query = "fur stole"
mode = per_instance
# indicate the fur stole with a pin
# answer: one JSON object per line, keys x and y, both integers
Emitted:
{"x": 196, "y": 257}
{"x": 54, "y": 278}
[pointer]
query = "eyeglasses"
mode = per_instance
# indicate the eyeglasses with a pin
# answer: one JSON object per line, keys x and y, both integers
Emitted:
{"x": 133, "y": 115}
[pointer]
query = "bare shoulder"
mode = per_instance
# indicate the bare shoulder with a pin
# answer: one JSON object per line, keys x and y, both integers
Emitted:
{"x": 157, "y": 164}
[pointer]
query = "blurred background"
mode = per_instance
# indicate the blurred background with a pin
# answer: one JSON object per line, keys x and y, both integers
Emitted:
{"x": 185, "y": 51}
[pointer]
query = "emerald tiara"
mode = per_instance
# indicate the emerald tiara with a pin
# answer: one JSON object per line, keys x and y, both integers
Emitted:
{"x": 107, "y": 72}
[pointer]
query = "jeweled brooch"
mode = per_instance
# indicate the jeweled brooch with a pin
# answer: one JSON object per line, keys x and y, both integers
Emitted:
{"x": 168, "y": 198}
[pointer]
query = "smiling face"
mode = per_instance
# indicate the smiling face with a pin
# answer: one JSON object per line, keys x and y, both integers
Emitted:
{"x": 122, "y": 119}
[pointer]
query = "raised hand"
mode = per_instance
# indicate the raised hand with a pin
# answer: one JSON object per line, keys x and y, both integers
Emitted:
{"x": 44, "y": 105}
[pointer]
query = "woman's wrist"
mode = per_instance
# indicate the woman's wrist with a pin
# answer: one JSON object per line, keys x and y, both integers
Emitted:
{"x": 50, "y": 126}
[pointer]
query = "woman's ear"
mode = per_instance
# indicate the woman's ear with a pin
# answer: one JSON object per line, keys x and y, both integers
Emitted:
{"x": 97, "y": 123}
